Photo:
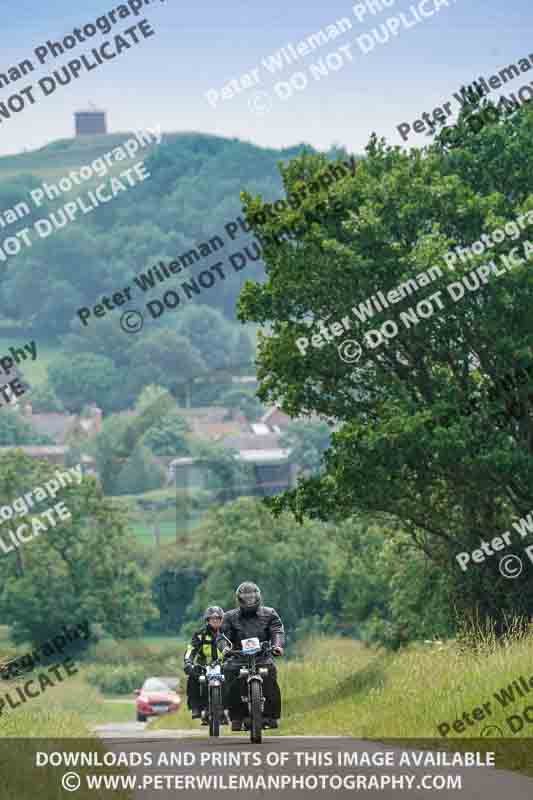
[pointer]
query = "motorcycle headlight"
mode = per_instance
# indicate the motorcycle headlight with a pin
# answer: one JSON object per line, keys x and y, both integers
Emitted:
{"x": 202, "y": 678}
{"x": 263, "y": 670}
{"x": 243, "y": 672}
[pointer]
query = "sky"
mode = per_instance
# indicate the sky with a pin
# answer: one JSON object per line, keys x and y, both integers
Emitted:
{"x": 202, "y": 46}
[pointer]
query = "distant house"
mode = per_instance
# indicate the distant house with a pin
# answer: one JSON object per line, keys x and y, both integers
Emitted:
{"x": 276, "y": 419}
{"x": 257, "y": 445}
{"x": 64, "y": 427}
{"x": 271, "y": 468}
{"x": 64, "y": 430}
{"x": 54, "y": 455}
{"x": 212, "y": 423}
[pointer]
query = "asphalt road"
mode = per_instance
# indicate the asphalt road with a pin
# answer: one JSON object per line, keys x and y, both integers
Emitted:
{"x": 305, "y": 756}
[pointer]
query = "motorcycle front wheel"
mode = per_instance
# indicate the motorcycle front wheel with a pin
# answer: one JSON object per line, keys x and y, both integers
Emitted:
{"x": 216, "y": 711}
{"x": 256, "y": 713}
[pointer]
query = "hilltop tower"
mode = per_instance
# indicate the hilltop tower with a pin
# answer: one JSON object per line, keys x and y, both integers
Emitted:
{"x": 91, "y": 122}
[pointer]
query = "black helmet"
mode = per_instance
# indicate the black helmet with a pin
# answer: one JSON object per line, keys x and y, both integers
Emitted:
{"x": 248, "y": 596}
{"x": 213, "y": 611}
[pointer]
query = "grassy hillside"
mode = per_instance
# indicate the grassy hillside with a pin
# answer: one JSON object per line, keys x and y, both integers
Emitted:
{"x": 58, "y": 158}
{"x": 192, "y": 192}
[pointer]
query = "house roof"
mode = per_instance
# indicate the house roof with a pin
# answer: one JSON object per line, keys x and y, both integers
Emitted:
{"x": 274, "y": 410}
{"x": 57, "y": 426}
{"x": 214, "y": 430}
{"x": 250, "y": 441}
{"x": 41, "y": 451}
{"x": 36, "y": 450}
{"x": 270, "y": 455}
{"x": 209, "y": 413}
{"x": 275, "y": 415}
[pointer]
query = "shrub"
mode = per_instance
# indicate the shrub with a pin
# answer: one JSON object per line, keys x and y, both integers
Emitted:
{"x": 121, "y": 679}
{"x": 125, "y": 678}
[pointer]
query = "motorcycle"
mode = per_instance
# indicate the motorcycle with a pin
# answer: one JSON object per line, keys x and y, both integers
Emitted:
{"x": 211, "y": 679}
{"x": 251, "y": 683}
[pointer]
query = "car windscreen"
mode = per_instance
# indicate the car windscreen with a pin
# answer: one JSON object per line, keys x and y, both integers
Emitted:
{"x": 155, "y": 685}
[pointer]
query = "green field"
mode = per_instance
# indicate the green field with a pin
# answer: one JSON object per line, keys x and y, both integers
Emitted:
{"x": 33, "y": 371}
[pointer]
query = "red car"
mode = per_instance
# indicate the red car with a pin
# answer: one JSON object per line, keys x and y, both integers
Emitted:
{"x": 158, "y": 696}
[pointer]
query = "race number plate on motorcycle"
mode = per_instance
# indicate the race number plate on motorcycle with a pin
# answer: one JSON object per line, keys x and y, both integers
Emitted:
{"x": 250, "y": 645}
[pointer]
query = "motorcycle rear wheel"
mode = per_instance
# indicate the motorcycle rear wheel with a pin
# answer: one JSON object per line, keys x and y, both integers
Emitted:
{"x": 256, "y": 713}
{"x": 216, "y": 711}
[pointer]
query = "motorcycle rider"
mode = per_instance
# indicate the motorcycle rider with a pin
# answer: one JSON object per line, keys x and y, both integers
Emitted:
{"x": 251, "y": 619}
{"x": 203, "y": 650}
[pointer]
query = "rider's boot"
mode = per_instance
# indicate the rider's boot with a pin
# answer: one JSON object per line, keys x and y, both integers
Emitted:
{"x": 269, "y": 722}
{"x": 205, "y": 720}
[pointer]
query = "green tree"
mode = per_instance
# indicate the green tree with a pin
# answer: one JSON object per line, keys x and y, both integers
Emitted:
{"x": 168, "y": 437}
{"x": 245, "y": 401}
{"x": 18, "y": 472}
{"x": 151, "y": 394}
{"x": 109, "y": 450}
{"x": 224, "y": 469}
{"x": 79, "y": 570}
{"x": 195, "y": 183}
{"x": 290, "y": 562}
{"x": 308, "y": 442}
{"x": 164, "y": 358}
{"x": 86, "y": 379}
{"x": 209, "y": 333}
{"x": 383, "y": 589}
{"x": 15, "y": 430}
{"x": 103, "y": 339}
{"x": 394, "y": 219}
{"x": 243, "y": 350}
{"x": 141, "y": 473}
{"x": 173, "y": 590}
{"x": 121, "y": 434}
{"x": 44, "y": 400}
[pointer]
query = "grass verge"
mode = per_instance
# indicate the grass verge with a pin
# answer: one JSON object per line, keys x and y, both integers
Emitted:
{"x": 337, "y": 687}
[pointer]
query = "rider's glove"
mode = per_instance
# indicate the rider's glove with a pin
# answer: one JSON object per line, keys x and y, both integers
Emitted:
{"x": 188, "y": 668}
{"x": 277, "y": 650}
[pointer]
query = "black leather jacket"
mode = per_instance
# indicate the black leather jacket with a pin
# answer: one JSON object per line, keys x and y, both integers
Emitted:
{"x": 265, "y": 623}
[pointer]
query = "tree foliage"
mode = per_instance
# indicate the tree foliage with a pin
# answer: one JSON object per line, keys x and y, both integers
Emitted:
{"x": 140, "y": 473}
{"x": 16, "y": 430}
{"x": 308, "y": 442}
{"x": 396, "y": 217}
{"x": 288, "y": 561}
{"x": 78, "y": 570}
{"x": 87, "y": 379}
{"x": 194, "y": 183}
